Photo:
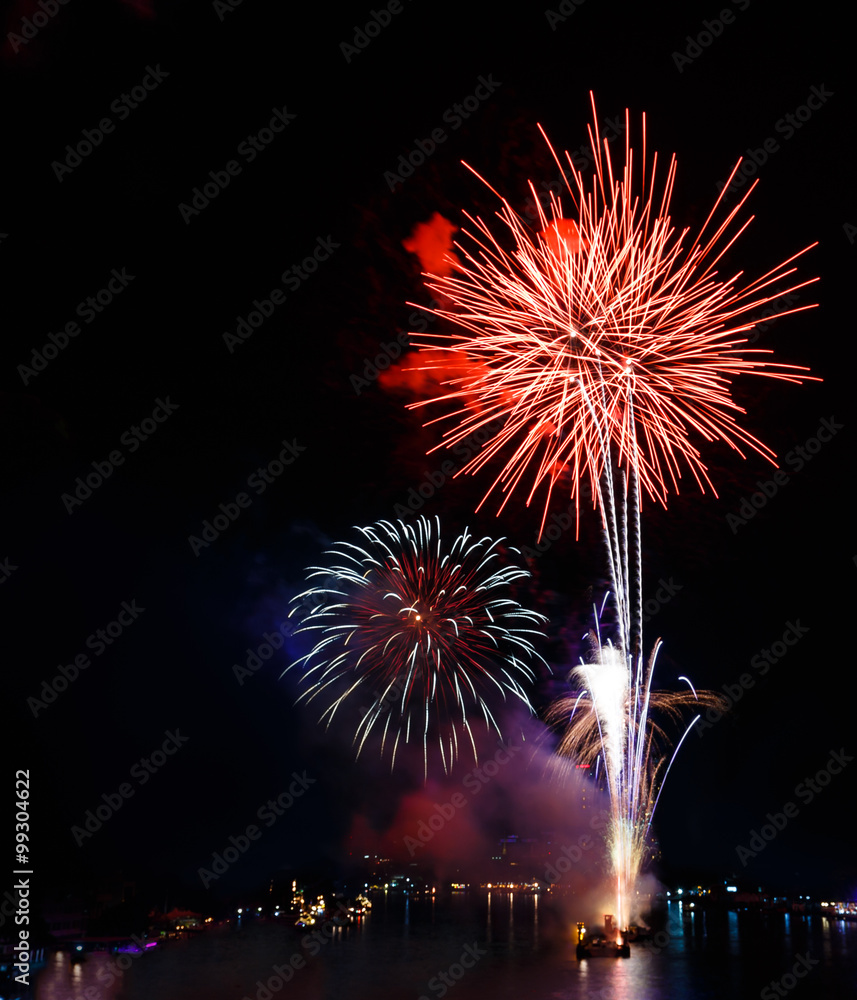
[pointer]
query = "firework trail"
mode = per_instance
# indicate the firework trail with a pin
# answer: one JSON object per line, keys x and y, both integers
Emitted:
{"x": 425, "y": 634}
{"x": 602, "y": 345}
{"x": 611, "y": 723}
{"x": 613, "y": 332}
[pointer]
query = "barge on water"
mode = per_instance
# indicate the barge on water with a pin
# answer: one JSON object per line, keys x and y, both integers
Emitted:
{"x": 607, "y": 945}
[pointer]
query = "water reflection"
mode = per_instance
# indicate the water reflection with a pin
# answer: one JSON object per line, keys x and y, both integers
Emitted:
{"x": 525, "y": 942}
{"x": 100, "y": 977}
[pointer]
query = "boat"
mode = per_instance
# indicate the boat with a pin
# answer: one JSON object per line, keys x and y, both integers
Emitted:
{"x": 606, "y": 945}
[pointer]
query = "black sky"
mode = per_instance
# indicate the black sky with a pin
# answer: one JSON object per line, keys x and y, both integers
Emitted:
{"x": 223, "y": 75}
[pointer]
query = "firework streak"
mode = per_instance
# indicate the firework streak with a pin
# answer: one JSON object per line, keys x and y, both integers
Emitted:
{"x": 425, "y": 632}
{"x": 611, "y": 332}
{"x": 605, "y": 344}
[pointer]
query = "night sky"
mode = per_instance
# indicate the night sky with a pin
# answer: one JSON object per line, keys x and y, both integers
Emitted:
{"x": 139, "y": 278}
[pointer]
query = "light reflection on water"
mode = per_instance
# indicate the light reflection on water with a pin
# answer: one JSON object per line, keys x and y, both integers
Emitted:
{"x": 405, "y": 947}
{"x": 98, "y": 978}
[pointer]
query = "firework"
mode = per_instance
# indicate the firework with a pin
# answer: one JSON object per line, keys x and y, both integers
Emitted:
{"x": 423, "y": 637}
{"x": 603, "y": 345}
{"x": 611, "y": 723}
{"x": 611, "y": 332}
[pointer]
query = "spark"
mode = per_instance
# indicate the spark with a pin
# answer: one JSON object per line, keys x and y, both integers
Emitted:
{"x": 603, "y": 344}
{"x": 611, "y": 721}
{"x": 610, "y": 331}
{"x": 430, "y": 638}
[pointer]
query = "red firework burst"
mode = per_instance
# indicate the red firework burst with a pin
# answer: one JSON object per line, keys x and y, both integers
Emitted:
{"x": 424, "y": 634}
{"x": 611, "y": 333}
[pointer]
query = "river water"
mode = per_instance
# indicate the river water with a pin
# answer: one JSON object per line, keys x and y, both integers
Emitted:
{"x": 476, "y": 948}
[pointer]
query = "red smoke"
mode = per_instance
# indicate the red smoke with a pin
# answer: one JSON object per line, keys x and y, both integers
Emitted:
{"x": 425, "y": 373}
{"x": 564, "y": 230}
{"x": 454, "y": 826}
{"x": 432, "y": 243}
